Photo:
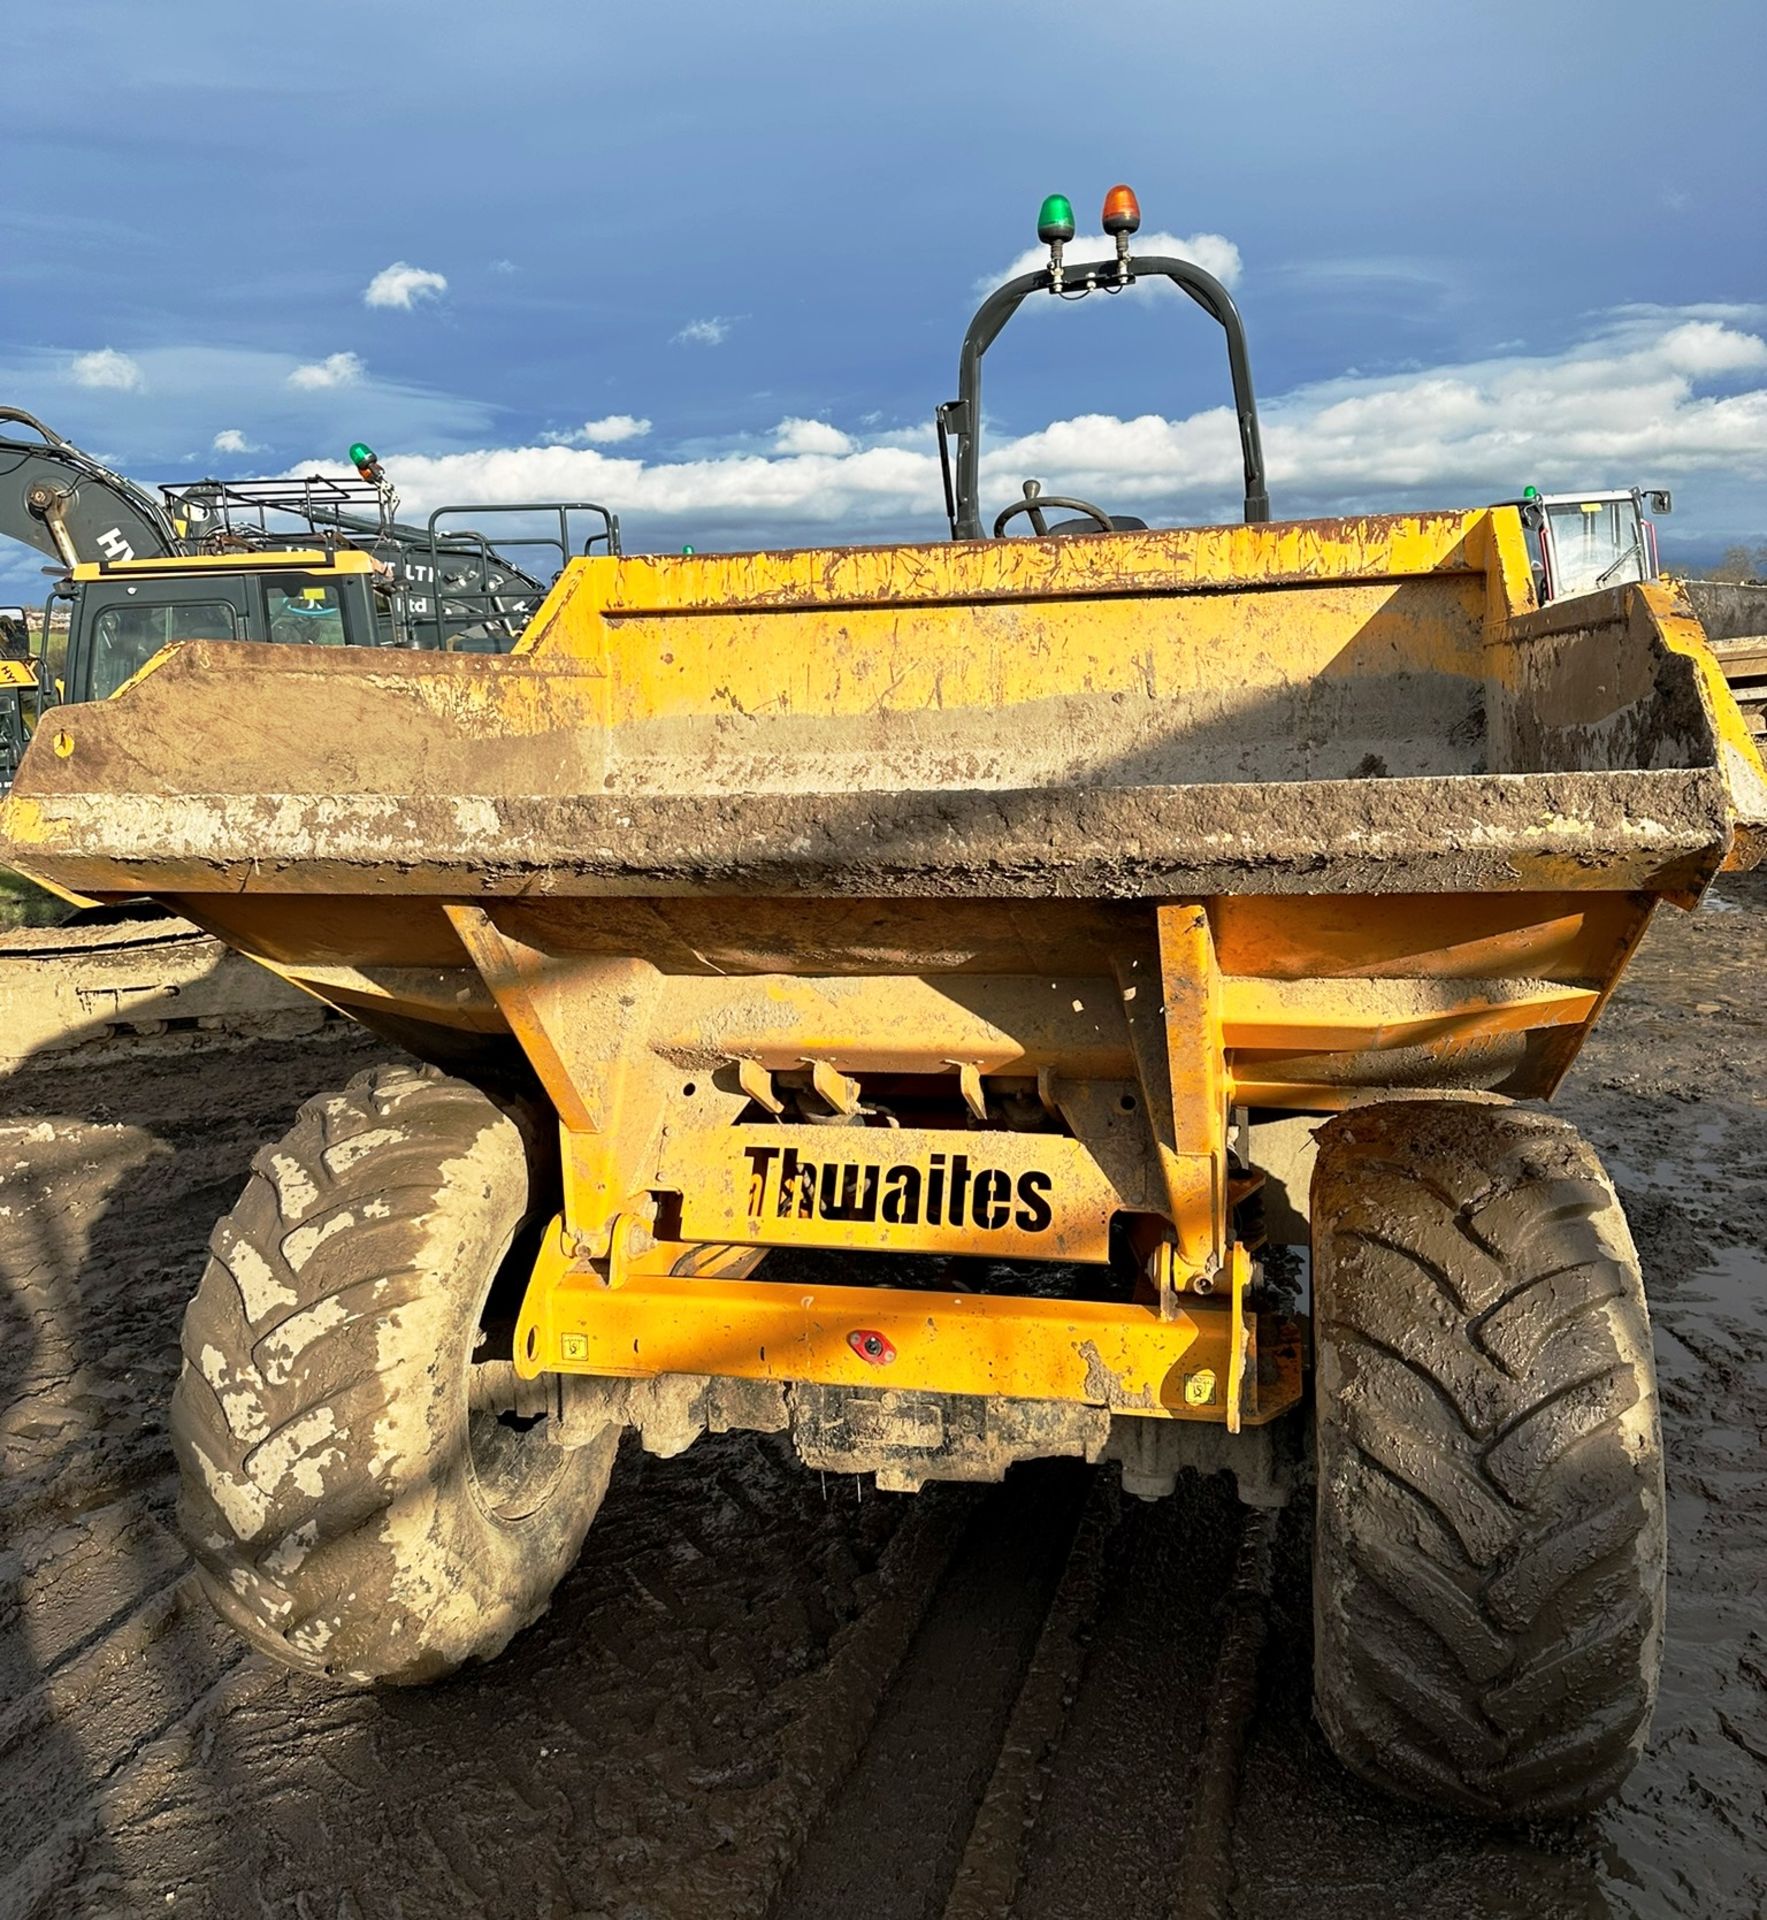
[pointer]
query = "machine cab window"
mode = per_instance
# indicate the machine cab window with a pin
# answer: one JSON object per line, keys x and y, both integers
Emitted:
{"x": 121, "y": 623}
{"x": 308, "y": 610}
{"x": 1584, "y": 543}
{"x": 1595, "y": 544}
{"x": 126, "y": 636}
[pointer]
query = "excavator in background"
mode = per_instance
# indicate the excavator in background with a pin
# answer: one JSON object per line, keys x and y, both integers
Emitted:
{"x": 317, "y": 560}
{"x": 1580, "y": 543}
{"x": 322, "y": 560}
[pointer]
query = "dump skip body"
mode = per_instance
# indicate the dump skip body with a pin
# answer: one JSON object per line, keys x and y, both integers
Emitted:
{"x": 1354, "y": 740}
{"x": 1059, "y": 852}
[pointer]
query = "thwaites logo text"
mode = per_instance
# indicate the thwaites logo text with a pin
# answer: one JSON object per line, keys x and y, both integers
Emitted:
{"x": 947, "y": 1191}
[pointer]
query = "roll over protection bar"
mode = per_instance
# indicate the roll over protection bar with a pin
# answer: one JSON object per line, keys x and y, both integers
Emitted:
{"x": 960, "y": 419}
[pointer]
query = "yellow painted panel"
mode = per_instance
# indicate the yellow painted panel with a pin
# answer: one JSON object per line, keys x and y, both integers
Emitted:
{"x": 1176, "y": 560}
{"x": 307, "y": 560}
{"x": 940, "y": 1342}
{"x": 1000, "y": 1195}
{"x": 1198, "y": 614}
{"x": 1350, "y": 1016}
{"x": 1215, "y": 653}
{"x": 1094, "y": 1353}
{"x": 1436, "y": 936}
{"x": 1099, "y": 1353}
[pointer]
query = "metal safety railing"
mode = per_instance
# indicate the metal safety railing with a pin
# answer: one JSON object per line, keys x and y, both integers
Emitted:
{"x": 487, "y": 610}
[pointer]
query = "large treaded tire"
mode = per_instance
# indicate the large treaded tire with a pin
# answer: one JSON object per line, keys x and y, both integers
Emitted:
{"x": 1490, "y": 1548}
{"x": 350, "y": 1513}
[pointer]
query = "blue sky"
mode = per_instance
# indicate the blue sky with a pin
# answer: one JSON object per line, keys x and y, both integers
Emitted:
{"x": 712, "y": 264}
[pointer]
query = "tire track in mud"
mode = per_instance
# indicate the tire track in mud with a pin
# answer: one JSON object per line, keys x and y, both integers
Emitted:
{"x": 151, "y": 1687}
{"x": 1078, "y": 1641}
{"x": 891, "y": 1839}
{"x": 988, "y": 1875}
{"x": 106, "y": 1655}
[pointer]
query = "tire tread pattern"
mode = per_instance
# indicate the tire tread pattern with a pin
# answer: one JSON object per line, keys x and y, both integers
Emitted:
{"x": 322, "y": 1326}
{"x": 1490, "y": 1545}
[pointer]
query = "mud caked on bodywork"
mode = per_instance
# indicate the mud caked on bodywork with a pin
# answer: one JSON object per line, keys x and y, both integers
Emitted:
{"x": 944, "y": 900}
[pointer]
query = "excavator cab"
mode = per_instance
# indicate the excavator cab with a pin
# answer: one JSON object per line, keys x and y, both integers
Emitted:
{"x": 126, "y": 611}
{"x": 959, "y": 421}
{"x": 311, "y": 560}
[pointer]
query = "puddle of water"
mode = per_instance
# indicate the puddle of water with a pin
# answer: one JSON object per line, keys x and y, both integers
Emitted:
{"x": 1689, "y": 1835}
{"x": 1736, "y": 1278}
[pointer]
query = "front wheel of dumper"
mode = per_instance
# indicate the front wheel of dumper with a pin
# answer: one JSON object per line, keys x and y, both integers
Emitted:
{"x": 364, "y": 1492}
{"x": 1490, "y": 1541}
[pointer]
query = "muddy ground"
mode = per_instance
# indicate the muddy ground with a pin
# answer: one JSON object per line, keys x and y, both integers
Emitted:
{"x": 765, "y": 1692}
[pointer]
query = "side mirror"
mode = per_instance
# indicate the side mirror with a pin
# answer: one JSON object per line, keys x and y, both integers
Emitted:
{"x": 1660, "y": 500}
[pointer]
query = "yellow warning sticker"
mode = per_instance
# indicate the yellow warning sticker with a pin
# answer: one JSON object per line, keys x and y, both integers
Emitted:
{"x": 1199, "y": 1388}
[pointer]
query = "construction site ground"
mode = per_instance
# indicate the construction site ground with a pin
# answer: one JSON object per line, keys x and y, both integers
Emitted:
{"x": 763, "y": 1692}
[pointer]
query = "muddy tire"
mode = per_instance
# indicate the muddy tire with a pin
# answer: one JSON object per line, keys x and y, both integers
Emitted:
{"x": 1490, "y": 1546}
{"x": 361, "y": 1495}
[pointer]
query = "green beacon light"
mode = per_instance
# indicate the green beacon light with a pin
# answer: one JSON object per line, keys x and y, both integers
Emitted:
{"x": 1055, "y": 220}
{"x": 1530, "y": 493}
{"x": 1055, "y": 228}
{"x": 363, "y": 460}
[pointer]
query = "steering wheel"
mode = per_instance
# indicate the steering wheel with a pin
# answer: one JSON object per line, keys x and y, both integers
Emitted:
{"x": 1036, "y": 500}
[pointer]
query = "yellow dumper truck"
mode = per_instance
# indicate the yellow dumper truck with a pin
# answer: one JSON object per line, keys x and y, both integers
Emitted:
{"x": 1039, "y": 906}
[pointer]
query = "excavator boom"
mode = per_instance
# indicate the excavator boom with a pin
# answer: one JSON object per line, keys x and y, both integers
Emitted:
{"x": 69, "y": 506}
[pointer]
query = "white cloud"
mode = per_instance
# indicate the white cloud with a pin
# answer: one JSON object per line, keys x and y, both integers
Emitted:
{"x": 403, "y": 285}
{"x": 1213, "y": 252}
{"x": 1651, "y": 396}
{"x": 189, "y": 391}
{"x": 231, "y": 440}
{"x": 602, "y": 433}
{"x": 335, "y": 370}
{"x": 107, "y": 368}
{"x": 810, "y": 436}
{"x": 710, "y": 332}
{"x": 503, "y": 266}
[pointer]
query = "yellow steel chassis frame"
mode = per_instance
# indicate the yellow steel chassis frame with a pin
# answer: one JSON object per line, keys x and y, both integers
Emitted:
{"x": 613, "y": 1294}
{"x": 647, "y": 1269}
